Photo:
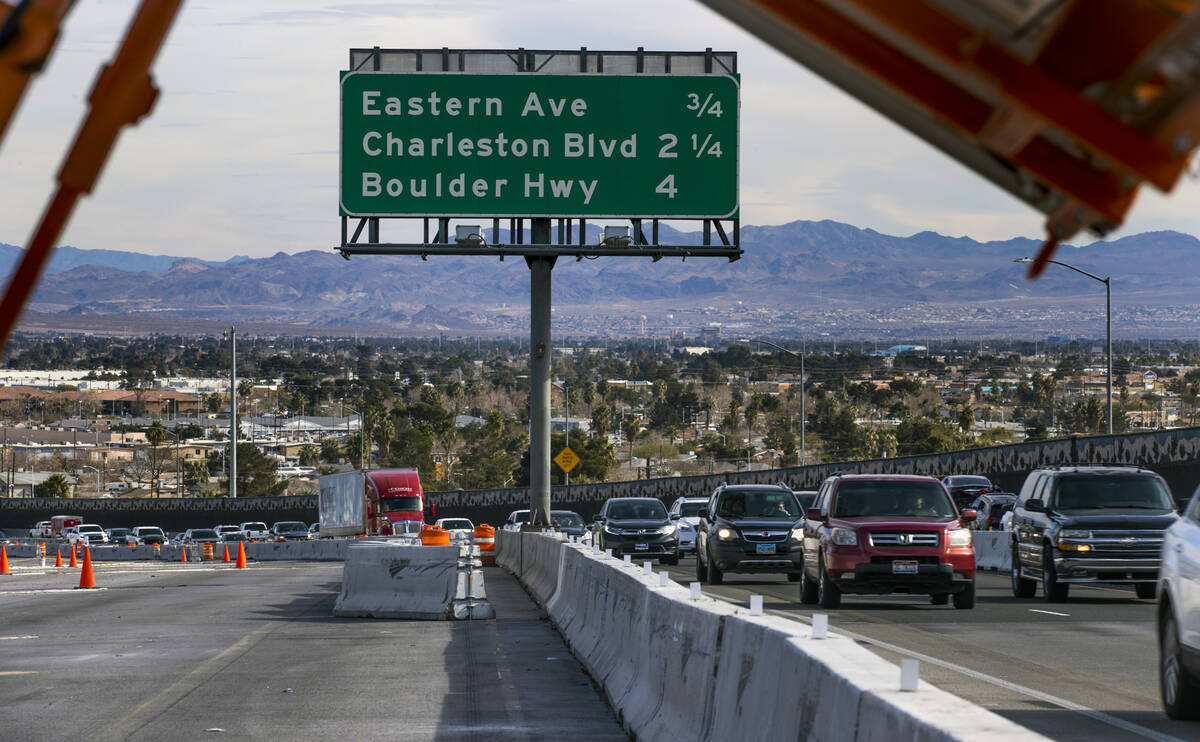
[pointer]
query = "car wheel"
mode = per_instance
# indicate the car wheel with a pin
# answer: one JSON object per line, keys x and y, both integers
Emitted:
{"x": 715, "y": 576}
{"x": 939, "y": 599}
{"x": 1146, "y": 590}
{"x": 1021, "y": 587}
{"x": 965, "y": 599}
{"x": 1052, "y": 590}
{"x": 701, "y": 572}
{"x": 1180, "y": 689}
{"x": 808, "y": 589}
{"x": 828, "y": 594}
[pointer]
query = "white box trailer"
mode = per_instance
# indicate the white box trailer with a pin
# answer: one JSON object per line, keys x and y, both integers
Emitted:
{"x": 342, "y": 504}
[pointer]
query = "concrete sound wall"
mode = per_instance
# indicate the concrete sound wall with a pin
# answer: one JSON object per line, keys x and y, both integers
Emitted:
{"x": 1175, "y": 454}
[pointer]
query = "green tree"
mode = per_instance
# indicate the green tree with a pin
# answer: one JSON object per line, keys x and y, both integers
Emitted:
{"x": 331, "y": 451}
{"x": 966, "y": 417}
{"x": 257, "y": 473}
{"x": 157, "y": 458}
{"x": 55, "y": 485}
{"x": 310, "y": 455}
{"x": 196, "y": 473}
{"x": 385, "y": 431}
{"x": 602, "y": 419}
{"x": 213, "y": 402}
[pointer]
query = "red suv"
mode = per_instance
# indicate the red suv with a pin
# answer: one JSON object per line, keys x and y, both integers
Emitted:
{"x": 873, "y": 534}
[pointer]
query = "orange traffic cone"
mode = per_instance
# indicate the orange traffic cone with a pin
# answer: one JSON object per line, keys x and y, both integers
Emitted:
{"x": 73, "y": 562}
{"x": 226, "y": 559}
{"x": 183, "y": 553}
{"x": 241, "y": 557}
{"x": 58, "y": 557}
{"x": 86, "y": 578}
{"x": 4, "y": 561}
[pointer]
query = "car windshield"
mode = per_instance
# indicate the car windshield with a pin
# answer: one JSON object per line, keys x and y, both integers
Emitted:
{"x": 758, "y": 504}
{"x": 967, "y": 481}
{"x": 119, "y": 532}
{"x": 521, "y": 516}
{"x": 204, "y": 533}
{"x": 149, "y": 531}
{"x": 567, "y": 520}
{"x": 806, "y": 500}
{"x": 1083, "y": 491}
{"x": 920, "y": 499}
{"x": 396, "y": 504}
{"x": 456, "y": 524}
{"x": 90, "y": 529}
{"x": 637, "y": 510}
{"x": 256, "y": 526}
{"x": 692, "y": 509}
{"x": 291, "y": 525}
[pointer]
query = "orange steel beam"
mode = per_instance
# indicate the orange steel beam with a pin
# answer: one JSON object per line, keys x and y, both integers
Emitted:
{"x": 1027, "y": 86}
{"x": 950, "y": 102}
{"x": 123, "y": 93}
{"x": 27, "y": 36}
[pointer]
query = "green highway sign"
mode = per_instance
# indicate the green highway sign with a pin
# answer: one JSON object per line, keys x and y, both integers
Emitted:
{"x": 509, "y": 145}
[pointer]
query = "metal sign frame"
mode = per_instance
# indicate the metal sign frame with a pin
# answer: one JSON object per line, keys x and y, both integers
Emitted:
{"x": 571, "y": 237}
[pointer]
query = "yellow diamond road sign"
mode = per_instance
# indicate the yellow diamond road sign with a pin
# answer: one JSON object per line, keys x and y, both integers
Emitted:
{"x": 566, "y": 459}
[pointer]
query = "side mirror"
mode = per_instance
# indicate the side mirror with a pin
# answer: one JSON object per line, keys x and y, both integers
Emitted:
{"x": 597, "y": 518}
{"x": 1035, "y": 506}
{"x": 813, "y": 514}
{"x": 968, "y": 515}
{"x": 674, "y": 517}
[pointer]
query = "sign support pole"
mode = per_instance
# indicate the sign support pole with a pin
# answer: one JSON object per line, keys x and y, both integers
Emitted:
{"x": 540, "y": 353}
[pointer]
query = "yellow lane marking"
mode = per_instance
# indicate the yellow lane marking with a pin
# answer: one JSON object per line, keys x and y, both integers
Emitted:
{"x": 6, "y": 673}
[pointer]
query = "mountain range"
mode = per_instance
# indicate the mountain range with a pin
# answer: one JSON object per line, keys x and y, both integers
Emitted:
{"x": 803, "y": 277}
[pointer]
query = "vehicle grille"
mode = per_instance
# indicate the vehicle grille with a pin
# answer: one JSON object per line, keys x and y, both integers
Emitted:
{"x": 893, "y": 538}
{"x": 636, "y": 531}
{"x": 1140, "y": 543}
{"x": 764, "y": 537}
{"x": 917, "y": 559}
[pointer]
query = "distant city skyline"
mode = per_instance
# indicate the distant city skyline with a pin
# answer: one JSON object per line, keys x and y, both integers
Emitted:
{"x": 240, "y": 155}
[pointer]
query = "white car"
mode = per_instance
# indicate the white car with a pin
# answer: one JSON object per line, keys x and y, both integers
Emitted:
{"x": 89, "y": 533}
{"x": 255, "y": 530}
{"x": 222, "y": 530}
{"x": 515, "y": 520}
{"x": 456, "y": 524}
{"x": 1179, "y": 615}
{"x": 41, "y": 530}
{"x": 685, "y": 513}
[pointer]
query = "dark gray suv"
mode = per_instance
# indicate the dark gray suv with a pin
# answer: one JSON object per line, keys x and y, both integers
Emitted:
{"x": 637, "y": 526}
{"x": 750, "y": 528}
{"x": 1089, "y": 525}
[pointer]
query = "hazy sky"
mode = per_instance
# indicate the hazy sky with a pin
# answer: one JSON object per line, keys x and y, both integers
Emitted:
{"x": 240, "y": 154}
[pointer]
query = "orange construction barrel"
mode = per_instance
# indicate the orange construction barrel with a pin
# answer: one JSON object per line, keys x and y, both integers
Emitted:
{"x": 485, "y": 539}
{"x": 434, "y": 536}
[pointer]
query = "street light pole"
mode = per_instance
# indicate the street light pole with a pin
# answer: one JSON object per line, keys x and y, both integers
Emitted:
{"x": 800, "y": 355}
{"x": 1107, "y": 281}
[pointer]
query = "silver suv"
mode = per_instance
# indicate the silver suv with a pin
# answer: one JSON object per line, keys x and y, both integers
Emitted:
{"x": 1179, "y": 615}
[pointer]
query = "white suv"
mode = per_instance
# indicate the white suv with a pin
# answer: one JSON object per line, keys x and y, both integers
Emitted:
{"x": 1179, "y": 615}
{"x": 89, "y": 533}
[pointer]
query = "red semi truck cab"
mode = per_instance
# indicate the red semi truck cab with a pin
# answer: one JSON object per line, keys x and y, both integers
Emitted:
{"x": 395, "y": 501}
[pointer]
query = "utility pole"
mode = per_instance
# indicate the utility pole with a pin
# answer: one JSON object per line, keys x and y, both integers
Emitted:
{"x": 233, "y": 421}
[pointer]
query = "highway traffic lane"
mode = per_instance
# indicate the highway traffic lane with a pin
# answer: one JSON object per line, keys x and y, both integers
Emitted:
{"x": 170, "y": 651}
{"x": 1102, "y": 655}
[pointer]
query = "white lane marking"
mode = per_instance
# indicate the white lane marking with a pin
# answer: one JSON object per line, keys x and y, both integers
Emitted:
{"x": 1093, "y": 714}
{"x": 49, "y": 590}
{"x": 14, "y": 638}
{"x": 1048, "y": 613}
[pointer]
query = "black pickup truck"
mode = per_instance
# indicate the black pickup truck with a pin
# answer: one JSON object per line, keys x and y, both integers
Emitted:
{"x": 1089, "y": 525}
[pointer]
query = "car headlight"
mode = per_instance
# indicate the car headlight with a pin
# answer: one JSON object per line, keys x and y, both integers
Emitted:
{"x": 667, "y": 530}
{"x": 960, "y": 537}
{"x": 845, "y": 537}
{"x": 611, "y": 530}
{"x": 1074, "y": 533}
{"x": 797, "y": 534}
{"x": 726, "y": 533}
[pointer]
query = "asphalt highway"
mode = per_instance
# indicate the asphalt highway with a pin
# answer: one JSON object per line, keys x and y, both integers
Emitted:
{"x": 202, "y": 651}
{"x": 1081, "y": 670}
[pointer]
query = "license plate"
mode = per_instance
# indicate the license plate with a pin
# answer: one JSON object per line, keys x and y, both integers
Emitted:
{"x": 765, "y": 548}
{"x": 641, "y": 547}
{"x": 904, "y": 567}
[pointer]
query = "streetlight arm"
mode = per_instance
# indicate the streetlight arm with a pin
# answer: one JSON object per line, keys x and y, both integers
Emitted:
{"x": 1068, "y": 267}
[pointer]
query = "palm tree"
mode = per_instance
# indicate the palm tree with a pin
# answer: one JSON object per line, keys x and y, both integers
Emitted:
{"x": 385, "y": 432}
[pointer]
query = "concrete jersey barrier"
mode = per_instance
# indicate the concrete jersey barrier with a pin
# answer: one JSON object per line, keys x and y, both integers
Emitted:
{"x": 386, "y": 579}
{"x": 674, "y": 668}
{"x": 993, "y": 550}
